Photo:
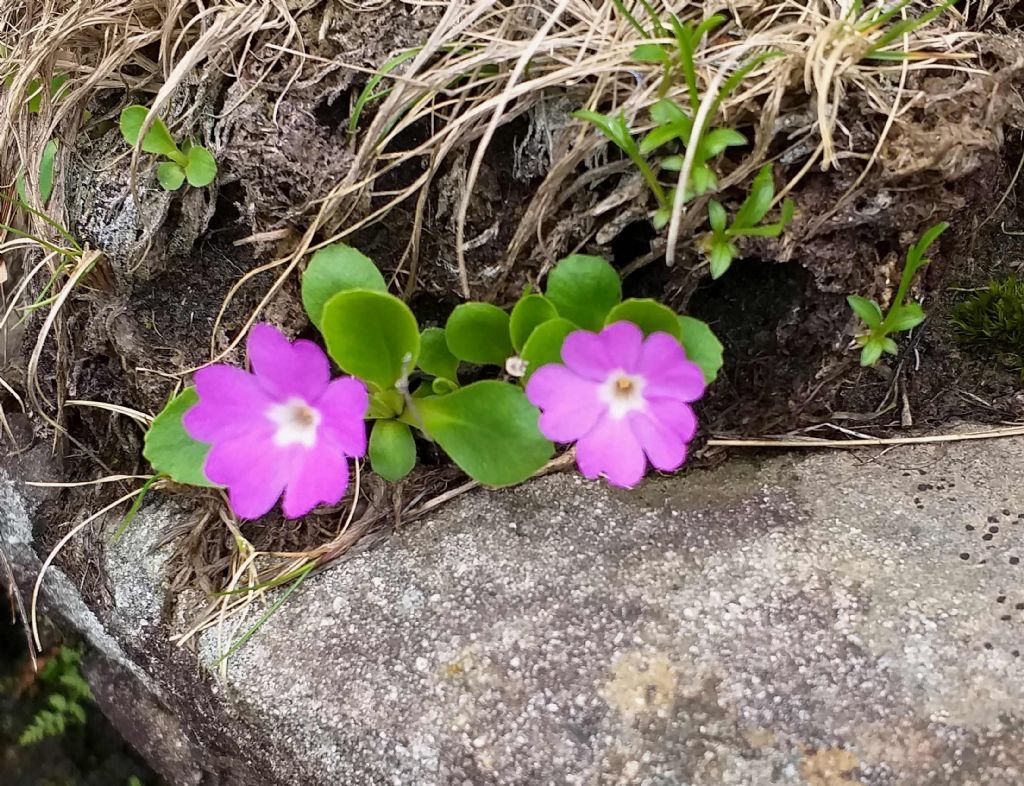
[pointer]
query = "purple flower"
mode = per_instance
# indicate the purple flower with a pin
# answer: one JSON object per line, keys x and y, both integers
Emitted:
{"x": 285, "y": 428}
{"x": 624, "y": 400}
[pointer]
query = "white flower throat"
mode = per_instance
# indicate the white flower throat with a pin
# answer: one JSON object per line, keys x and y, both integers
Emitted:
{"x": 623, "y": 393}
{"x": 296, "y": 423}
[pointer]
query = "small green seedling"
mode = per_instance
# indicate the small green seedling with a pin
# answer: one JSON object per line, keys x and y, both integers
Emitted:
{"x": 875, "y": 20}
{"x": 902, "y": 316}
{"x": 189, "y": 162}
{"x": 719, "y": 246}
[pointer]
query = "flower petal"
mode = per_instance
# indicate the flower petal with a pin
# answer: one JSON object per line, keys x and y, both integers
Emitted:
{"x": 663, "y": 362}
{"x": 569, "y": 403}
{"x": 583, "y": 353}
{"x": 674, "y": 415}
{"x": 665, "y": 449}
{"x": 231, "y": 403}
{"x": 320, "y": 477}
{"x": 254, "y": 471}
{"x": 343, "y": 407}
{"x": 622, "y": 343}
{"x": 594, "y": 355}
{"x": 287, "y": 369}
{"x": 612, "y": 449}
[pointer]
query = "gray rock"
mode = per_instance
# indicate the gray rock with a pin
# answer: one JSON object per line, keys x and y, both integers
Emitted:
{"x": 817, "y": 619}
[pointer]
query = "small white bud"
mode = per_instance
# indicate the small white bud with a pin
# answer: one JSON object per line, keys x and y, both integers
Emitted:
{"x": 516, "y": 366}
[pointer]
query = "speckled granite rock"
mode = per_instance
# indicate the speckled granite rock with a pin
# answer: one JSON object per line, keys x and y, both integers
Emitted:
{"x": 821, "y": 620}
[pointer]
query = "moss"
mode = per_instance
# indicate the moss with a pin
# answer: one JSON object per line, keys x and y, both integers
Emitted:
{"x": 993, "y": 320}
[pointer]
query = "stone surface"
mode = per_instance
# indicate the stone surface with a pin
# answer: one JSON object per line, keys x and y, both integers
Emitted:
{"x": 817, "y": 620}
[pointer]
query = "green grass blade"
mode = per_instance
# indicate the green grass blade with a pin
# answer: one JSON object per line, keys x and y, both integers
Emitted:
{"x": 266, "y": 615}
{"x": 370, "y": 93}
{"x": 129, "y": 517}
{"x": 621, "y": 6}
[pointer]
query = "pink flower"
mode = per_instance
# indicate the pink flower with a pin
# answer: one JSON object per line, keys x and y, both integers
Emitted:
{"x": 624, "y": 400}
{"x": 285, "y": 428}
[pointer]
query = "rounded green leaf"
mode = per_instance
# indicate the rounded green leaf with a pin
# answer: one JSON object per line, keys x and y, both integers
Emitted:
{"x": 158, "y": 138}
{"x": 478, "y": 333}
{"x": 170, "y": 176}
{"x": 333, "y": 269}
{"x": 702, "y": 347}
{"x": 201, "y": 168}
{"x": 545, "y": 345}
{"x": 489, "y": 429}
{"x": 648, "y": 315}
{"x": 392, "y": 450}
{"x": 371, "y": 335}
{"x": 435, "y": 357}
{"x": 170, "y": 449}
{"x": 529, "y": 312}
{"x": 584, "y": 289}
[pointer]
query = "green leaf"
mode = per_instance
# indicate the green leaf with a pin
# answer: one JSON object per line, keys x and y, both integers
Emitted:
{"x": 667, "y": 111}
{"x": 201, "y": 168}
{"x": 584, "y": 289}
{"x": 545, "y": 345}
{"x": 46, "y": 171}
{"x": 371, "y": 335}
{"x": 756, "y": 206}
{"x": 158, "y": 138}
{"x": 719, "y": 139}
{"x": 479, "y": 333}
{"x": 170, "y": 449}
{"x": 702, "y": 347}
{"x": 905, "y": 317}
{"x": 333, "y": 269}
{"x": 664, "y": 134}
{"x": 440, "y": 386}
{"x": 661, "y": 217}
{"x": 651, "y": 53}
{"x": 530, "y": 312}
{"x": 170, "y": 176}
{"x": 915, "y": 256}
{"x": 717, "y": 216}
{"x": 672, "y": 163}
{"x": 435, "y": 357}
{"x": 489, "y": 429}
{"x": 702, "y": 179}
{"x": 612, "y": 126}
{"x": 648, "y": 315}
{"x": 867, "y": 310}
{"x": 871, "y": 353}
{"x": 722, "y": 254}
{"x": 392, "y": 450}
{"x": 888, "y": 345}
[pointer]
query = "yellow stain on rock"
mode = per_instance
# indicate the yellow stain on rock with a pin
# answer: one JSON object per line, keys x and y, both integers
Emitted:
{"x": 641, "y": 684}
{"x": 830, "y": 767}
